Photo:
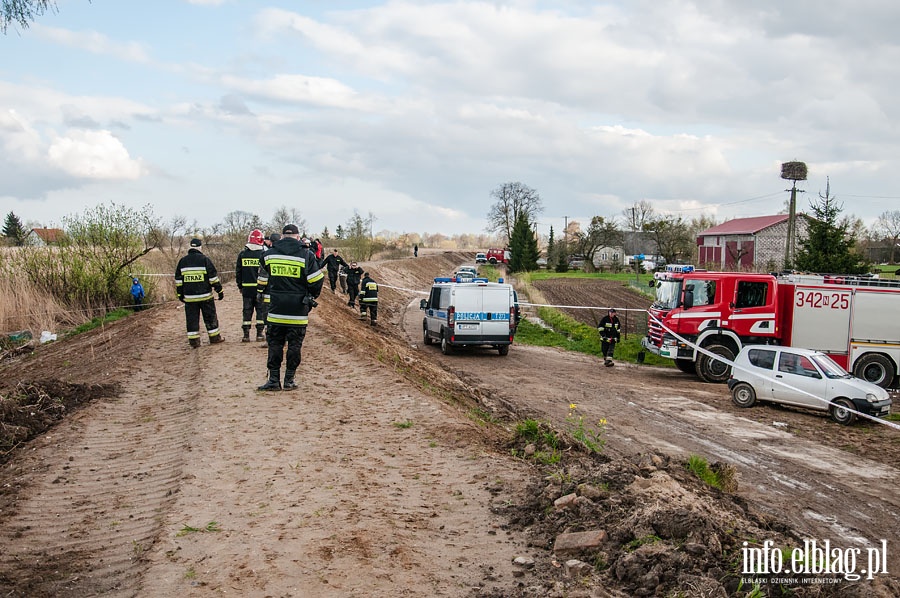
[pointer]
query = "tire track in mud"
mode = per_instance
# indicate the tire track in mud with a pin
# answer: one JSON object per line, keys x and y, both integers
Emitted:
{"x": 86, "y": 524}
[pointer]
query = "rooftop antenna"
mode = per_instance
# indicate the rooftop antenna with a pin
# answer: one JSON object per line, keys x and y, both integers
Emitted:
{"x": 792, "y": 171}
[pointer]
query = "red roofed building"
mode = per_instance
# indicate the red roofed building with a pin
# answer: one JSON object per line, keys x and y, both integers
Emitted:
{"x": 44, "y": 236}
{"x": 747, "y": 243}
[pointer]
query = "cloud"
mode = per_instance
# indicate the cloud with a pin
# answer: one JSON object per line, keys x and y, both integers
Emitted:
{"x": 93, "y": 155}
{"x": 93, "y": 42}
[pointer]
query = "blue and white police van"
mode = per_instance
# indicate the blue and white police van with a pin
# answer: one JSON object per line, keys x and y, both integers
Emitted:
{"x": 476, "y": 313}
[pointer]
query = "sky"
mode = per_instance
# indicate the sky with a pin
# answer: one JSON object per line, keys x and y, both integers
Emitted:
{"x": 415, "y": 111}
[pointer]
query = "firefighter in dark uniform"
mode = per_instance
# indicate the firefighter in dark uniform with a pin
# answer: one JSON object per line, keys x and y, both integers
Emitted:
{"x": 368, "y": 298}
{"x": 246, "y": 270}
{"x": 195, "y": 279}
{"x": 289, "y": 273}
{"x": 354, "y": 275}
{"x": 333, "y": 264}
{"x": 609, "y": 335}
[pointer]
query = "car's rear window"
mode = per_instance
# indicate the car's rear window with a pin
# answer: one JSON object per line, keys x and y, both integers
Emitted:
{"x": 762, "y": 358}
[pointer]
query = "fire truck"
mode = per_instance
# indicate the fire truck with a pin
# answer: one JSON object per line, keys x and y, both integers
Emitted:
{"x": 852, "y": 319}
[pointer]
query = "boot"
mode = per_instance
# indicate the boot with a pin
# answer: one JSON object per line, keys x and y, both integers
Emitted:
{"x": 260, "y": 335}
{"x": 246, "y": 337}
{"x": 194, "y": 342}
{"x": 273, "y": 382}
{"x": 608, "y": 363}
{"x": 289, "y": 383}
{"x": 374, "y": 322}
{"x": 213, "y": 340}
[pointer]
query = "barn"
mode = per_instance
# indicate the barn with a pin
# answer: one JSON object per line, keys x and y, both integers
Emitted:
{"x": 756, "y": 243}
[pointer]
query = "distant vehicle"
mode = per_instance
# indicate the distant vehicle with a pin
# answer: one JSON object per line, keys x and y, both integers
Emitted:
{"x": 541, "y": 262}
{"x": 803, "y": 378}
{"x": 498, "y": 256}
{"x": 576, "y": 261}
{"x": 480, "y": 258}
{"x": 465, "y": 274}
{"x": 470, "y": 314}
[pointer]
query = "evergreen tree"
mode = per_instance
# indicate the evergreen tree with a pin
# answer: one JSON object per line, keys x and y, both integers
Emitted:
{"x": 551, "y": 247}
{"x": 828, "y": 246}
{"x": 13, "y": 230}
{"x": 523, "y": 246}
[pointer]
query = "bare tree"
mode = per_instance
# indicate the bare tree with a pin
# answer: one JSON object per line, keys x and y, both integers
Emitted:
{"x": 640, "y": 213}
{"x": 601, "y": 233}
{"x": 672, "y": 235}
{"x": 23, "y": 12}
{"x": 514, "y": 200}
{"x": 285, "y": 215}
{"x": 240, "y": 223}
{"x": 888, "y": 226}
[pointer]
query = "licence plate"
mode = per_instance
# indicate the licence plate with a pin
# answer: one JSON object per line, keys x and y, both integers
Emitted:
{"x": 467, "y": 326}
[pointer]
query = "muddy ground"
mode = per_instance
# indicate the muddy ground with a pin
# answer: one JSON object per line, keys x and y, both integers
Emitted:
{"x": 395, "y": 470}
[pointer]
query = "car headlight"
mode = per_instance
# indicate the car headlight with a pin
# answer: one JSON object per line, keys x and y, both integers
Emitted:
{"x": 871, "y": 398}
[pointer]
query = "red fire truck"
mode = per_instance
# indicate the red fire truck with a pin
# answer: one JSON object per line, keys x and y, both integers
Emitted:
{"x": 852, "y": 319}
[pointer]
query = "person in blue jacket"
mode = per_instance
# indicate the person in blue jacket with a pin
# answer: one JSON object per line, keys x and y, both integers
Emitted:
{"x": 137, "y": 293}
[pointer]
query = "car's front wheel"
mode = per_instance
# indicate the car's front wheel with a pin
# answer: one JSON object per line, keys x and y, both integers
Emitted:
{"x": 842, "y": 411}
{"x": 425, "y": 338}
{"x": 743, "y": 395}
{"x": 711, "y": 369}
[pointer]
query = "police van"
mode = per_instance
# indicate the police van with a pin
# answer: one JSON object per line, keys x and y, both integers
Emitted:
{"x": 470, "y": 314}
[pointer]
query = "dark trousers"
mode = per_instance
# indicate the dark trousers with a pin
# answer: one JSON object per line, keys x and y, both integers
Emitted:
{"x": 372, "y": 307}
{"x": 607, "y": 348}
{"x": 251, "y": 303}
{"x": 353, "y": 291}
{"x": 332, "y": 279}
{"x": 277, "y": 336}
{"x": 192, "y": 311}
{"x": 138, "y": 304}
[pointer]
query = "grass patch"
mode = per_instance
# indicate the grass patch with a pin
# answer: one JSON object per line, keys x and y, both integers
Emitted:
{"x": 718, "y": 475}
{"x": 212, "y": 526}
{"x": 893, "y": 417}
{"x": 112, "y": 316}
{"x": 571, "y": 335}
{"x": 638, "y": 542}
{"x": 404, "y": 424}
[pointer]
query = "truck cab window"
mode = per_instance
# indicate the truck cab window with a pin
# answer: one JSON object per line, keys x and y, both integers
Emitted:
{"x": 751, "y": 294}
{"x": 704, "y": 291}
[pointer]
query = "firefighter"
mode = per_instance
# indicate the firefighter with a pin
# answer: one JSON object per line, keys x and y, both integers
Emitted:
{"x": 195, "y": 280}
{"x": 290, "y": 274}
{"x": 354, "y": 274}
{"x": 368, "y": 298}
{"x": 333, "y": 263}
{"x": 246, "y": 270}
{"x": 609, "y": 335}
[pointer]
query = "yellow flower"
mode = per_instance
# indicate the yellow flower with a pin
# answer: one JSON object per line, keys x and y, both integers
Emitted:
{"x": 602, "y": 422}
{"x": 573, "y": 406}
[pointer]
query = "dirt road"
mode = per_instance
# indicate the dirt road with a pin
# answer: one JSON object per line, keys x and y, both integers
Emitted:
{"x": 390, "y": 471}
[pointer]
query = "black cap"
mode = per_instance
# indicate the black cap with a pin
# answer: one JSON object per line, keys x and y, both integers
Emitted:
{"x": 290, "y": 229}
{"x": 275, "y": 237}
{"x": 196, "y": 243}
{"x": 612, "y": 310}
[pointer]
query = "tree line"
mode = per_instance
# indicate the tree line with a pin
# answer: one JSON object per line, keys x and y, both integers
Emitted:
{"x": 834, "y": 243}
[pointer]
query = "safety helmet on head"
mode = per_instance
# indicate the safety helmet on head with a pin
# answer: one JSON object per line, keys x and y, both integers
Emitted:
{"x": 255, "y": 237}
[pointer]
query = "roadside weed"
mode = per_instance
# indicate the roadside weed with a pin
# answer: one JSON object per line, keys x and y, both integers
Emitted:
{"x": 591, "y": 438}
{"x": 212, "y": 526}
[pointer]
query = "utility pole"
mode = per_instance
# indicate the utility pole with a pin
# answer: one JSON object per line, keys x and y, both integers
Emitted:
{"x": 566, "y": 236}
{"x": 792, "y": 171}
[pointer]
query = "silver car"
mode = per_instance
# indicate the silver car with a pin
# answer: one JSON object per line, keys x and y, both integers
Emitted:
{"x": 803, "y": 378}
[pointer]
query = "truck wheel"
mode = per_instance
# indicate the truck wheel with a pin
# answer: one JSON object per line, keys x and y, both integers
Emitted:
{"x": 446, "y": 348}
{"x": 686, "y": 365}
{"x": 493, "y": 260}
{"x": 503, "y": 349}
{"x": 713, "y": 370}
{"x": 425, "y": 338}
{"x": 876, "y": 369}
{"x": 743, "y": 395}
{"x": 840, "y": 411}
